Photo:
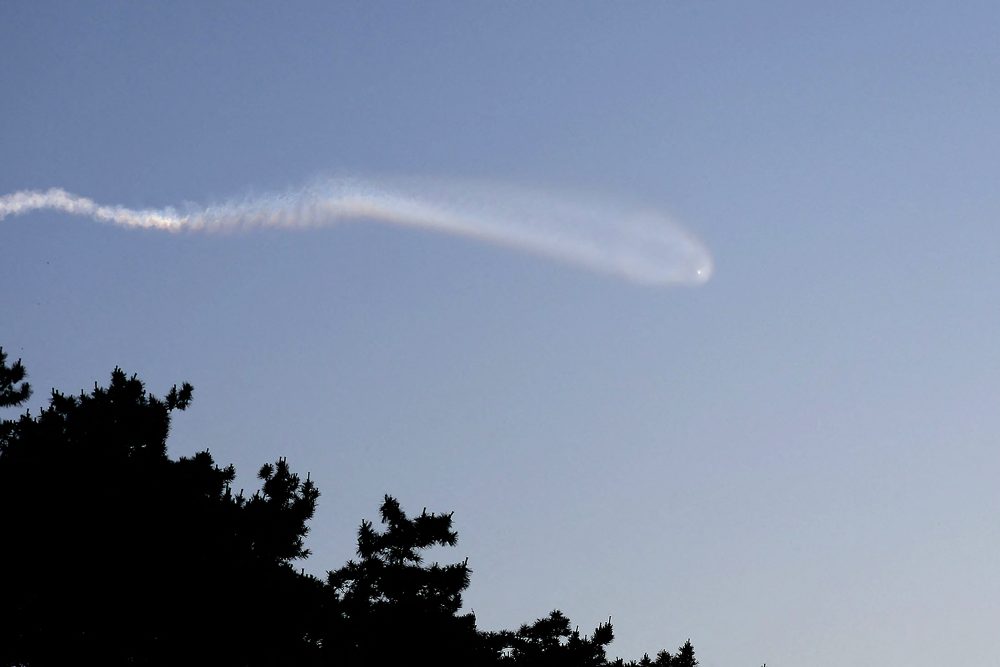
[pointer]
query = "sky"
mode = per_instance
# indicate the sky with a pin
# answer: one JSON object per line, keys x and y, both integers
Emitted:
{"x": 794, "y": 463}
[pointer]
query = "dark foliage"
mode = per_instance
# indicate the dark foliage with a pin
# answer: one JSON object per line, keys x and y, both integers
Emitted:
{"x": 394, "y": 607}
{"x": 10, "y": 376}
{"x": 683, "y": 658}
{"x": 549, "y": 642}
{"x": 114, "y": 554}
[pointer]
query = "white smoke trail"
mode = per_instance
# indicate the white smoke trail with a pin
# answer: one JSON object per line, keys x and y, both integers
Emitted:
{"x": 643, "y": 247}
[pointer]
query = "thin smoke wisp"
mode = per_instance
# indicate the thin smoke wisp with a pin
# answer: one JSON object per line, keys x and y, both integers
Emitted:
{"x": 642, "y": 246}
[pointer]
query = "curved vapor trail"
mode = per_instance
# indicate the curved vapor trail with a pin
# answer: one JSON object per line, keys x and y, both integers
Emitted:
{"x": 643, "y": 247}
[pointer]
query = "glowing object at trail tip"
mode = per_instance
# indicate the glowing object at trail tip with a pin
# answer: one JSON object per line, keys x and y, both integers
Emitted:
{"x": 641, "y": 246}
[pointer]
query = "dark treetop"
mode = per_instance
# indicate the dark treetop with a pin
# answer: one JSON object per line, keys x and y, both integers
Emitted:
{"x": 115, "y": 554}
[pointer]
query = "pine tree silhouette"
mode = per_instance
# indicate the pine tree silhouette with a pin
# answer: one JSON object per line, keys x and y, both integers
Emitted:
{"x": 10, "y": 376}
{"x": 396, "y": 607}
{"x": 115, "y": 554}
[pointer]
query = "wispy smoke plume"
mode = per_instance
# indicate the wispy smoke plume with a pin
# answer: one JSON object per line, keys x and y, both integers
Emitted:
{"x": 644, "y": 247}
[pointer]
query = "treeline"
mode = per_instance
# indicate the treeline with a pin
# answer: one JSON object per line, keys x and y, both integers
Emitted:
{"x": 113, "y": 553}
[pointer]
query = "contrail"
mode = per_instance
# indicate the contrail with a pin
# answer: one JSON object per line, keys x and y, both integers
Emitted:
{"x": 641, "y": 246}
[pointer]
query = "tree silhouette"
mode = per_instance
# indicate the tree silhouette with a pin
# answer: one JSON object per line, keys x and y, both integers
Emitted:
{"x": 115, "y": 554}
{"x": 683, "y": 658}
{"x": 119, "y": 555}
{"x": 548, "y": 642}
{"x": 396, "y": 607}
{"x": 10, "y": 376}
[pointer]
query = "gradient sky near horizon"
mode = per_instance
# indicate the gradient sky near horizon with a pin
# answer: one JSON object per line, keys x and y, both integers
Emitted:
{"x": 795, "y": 463}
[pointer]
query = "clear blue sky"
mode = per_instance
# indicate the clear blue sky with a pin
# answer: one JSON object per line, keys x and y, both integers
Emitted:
{"x": 795, "y": 463}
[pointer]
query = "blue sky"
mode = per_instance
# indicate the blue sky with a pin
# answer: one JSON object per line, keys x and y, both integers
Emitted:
{"x": 794, "y": 463}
